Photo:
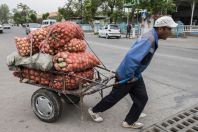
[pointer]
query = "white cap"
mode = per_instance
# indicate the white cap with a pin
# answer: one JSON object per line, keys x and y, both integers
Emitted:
{"x": 165, "y": 21}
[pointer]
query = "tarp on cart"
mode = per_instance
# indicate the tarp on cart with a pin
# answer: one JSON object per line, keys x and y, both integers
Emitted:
{"x": 38, "y": 61}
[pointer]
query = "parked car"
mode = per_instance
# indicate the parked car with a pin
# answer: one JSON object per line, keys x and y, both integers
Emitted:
{"x": 1, "y": 29}
{"x": 31, "y": 26}
{"x": 110, "y": 30}
{"x": 48, "y": 22}
{"x": 6, "y": 26}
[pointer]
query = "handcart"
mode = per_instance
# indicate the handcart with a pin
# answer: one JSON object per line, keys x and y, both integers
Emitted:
{"x": 46, "y": 102}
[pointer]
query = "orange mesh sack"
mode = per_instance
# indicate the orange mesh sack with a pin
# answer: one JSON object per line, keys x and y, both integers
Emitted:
{"x": 61, "y": 33}
{"x": 72, "y": 62}
{"x": 37, "y": 36}
{"x": 72, "y": 82}
{"x": 75, "y": 45}
{"x": 36, "y": 76}
{"x": 46, "y": 49}
{"x": 24, "y": 47}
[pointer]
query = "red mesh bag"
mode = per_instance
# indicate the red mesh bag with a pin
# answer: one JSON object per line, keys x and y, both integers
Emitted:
{"x": 24, "y": 47}
{"x": 72, "y": 62}
{"x": 75, "y": 45}
{"x": 61, "y": 33}
{"x": 37, "y": 36}
{"x": 72, "y": 82}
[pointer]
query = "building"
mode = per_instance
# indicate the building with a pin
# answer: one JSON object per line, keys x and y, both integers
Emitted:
{"x": 52, "y": 15}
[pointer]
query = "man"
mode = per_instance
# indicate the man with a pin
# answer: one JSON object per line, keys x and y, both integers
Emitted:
{"x": 128, "y": 30}
{"x": 129, "y": 77}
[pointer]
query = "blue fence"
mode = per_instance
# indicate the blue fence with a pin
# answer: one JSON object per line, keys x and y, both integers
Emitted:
{"x": 122, "y": 26}
{"x": 86, "y": 27}
{"x": 178, "y": 31}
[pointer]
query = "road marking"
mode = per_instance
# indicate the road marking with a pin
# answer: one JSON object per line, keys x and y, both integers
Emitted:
{"x": 158, "y": 54}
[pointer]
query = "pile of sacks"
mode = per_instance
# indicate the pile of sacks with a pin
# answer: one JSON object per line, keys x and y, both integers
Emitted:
{"x": 63, "y": 45}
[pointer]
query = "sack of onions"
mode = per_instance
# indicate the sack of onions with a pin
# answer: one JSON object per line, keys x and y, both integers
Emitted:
{"x": 44, "y": 78}
{"x": 75, "y": 45}
{"x": 46, "y": 49}
{"x": 34, "y": 75}
{"x": 61, "y": 33}
{"x": 24, "y": 47}
{"x": 73, "y": 81}
{"x": 37, "y": 36}
{"x": 67, "y": 62}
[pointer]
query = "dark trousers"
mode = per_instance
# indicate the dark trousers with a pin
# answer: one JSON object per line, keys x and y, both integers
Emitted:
{"x": 136, "y": 90}
{"x": 128, "y": 34}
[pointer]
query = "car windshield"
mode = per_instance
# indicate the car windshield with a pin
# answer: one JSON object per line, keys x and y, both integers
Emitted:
{"x": 34, "y": 25}
{"x": 114, "y": 27}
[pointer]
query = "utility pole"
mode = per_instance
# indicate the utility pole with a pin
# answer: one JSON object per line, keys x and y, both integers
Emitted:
{"x": 192, "y": 14}
{"x": 81, "y": 10}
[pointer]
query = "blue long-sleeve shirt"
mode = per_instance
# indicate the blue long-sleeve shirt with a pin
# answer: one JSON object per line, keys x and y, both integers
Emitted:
{"x": 138, "y": 57}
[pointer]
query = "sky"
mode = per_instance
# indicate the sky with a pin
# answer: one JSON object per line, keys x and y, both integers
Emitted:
{"x": 40, "y": 6}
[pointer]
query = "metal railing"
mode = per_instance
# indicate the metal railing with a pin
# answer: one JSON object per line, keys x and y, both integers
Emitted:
{"x": 190, "y": 28}
{"x": 185, "y": 30}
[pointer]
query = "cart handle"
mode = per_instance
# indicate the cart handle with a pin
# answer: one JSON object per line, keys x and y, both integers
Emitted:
{"x": 106, "y": 69}
{"x": 127, "y": 81}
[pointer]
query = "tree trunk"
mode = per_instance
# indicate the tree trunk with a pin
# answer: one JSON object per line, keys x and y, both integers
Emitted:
{"x": 91, "y": 23}
{"x": 111, "y": 12}
{"x": 132, "y": 16}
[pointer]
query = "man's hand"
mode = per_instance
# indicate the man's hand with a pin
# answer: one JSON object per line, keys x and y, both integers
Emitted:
{"x": 134, "y": 79}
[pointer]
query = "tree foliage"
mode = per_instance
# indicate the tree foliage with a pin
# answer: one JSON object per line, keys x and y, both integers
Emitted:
{"x": 155, "y": 7}
{"x": 4, "y": 13}
{"x": 158, "y": 7}
{"x": 88, "y": 10}
{"x": 91, "y": 9}
{"x": 71, "y": 9}
{"x": 113, "y": 9}
{"x": 45, "y": 15}
{"x": 33, "y": 17}
{"x": 23, "y": 14}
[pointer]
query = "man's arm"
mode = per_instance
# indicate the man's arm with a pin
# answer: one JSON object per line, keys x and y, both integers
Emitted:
{"x": 135, "y": 55}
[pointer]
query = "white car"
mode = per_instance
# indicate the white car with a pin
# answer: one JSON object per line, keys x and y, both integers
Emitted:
{"x": 31, "y": 26}
{"x": 48, "y": 22}
{"x": 1, "y": 29}
{"x": 110, "y": 30}
{"x": 6, "y": 26}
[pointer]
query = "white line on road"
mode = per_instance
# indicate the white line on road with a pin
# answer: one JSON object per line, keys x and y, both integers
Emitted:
{"x": 158, "y": 54}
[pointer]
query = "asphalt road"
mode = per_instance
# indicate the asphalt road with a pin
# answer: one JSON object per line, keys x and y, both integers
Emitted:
{"x": 171, "y": 81}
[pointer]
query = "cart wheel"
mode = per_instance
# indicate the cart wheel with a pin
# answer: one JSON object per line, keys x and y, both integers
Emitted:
{"x": 46, "y": 105}
{"x": 72, "y": 99}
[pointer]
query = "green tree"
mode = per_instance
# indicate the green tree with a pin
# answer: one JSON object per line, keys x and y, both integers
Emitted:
{"x": 67, "y": 11}
{"x": 91, "y": 9}
{"x": 133, "y": 5}
{"x": 153, "y": 6}
{"x": 4, "y": 13}
{"x": 113, "y": 9}
{"x": 61, "y": 12}
{"x": 24, "y": 11}
{"x": 17, "y": 18}
{"x": 23, "y": 14}
{"x": 59, "y": 17}
{"x": 33, "y": 18}
{"x": 45, "y": 15}
{"x": 71, "y": 9}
